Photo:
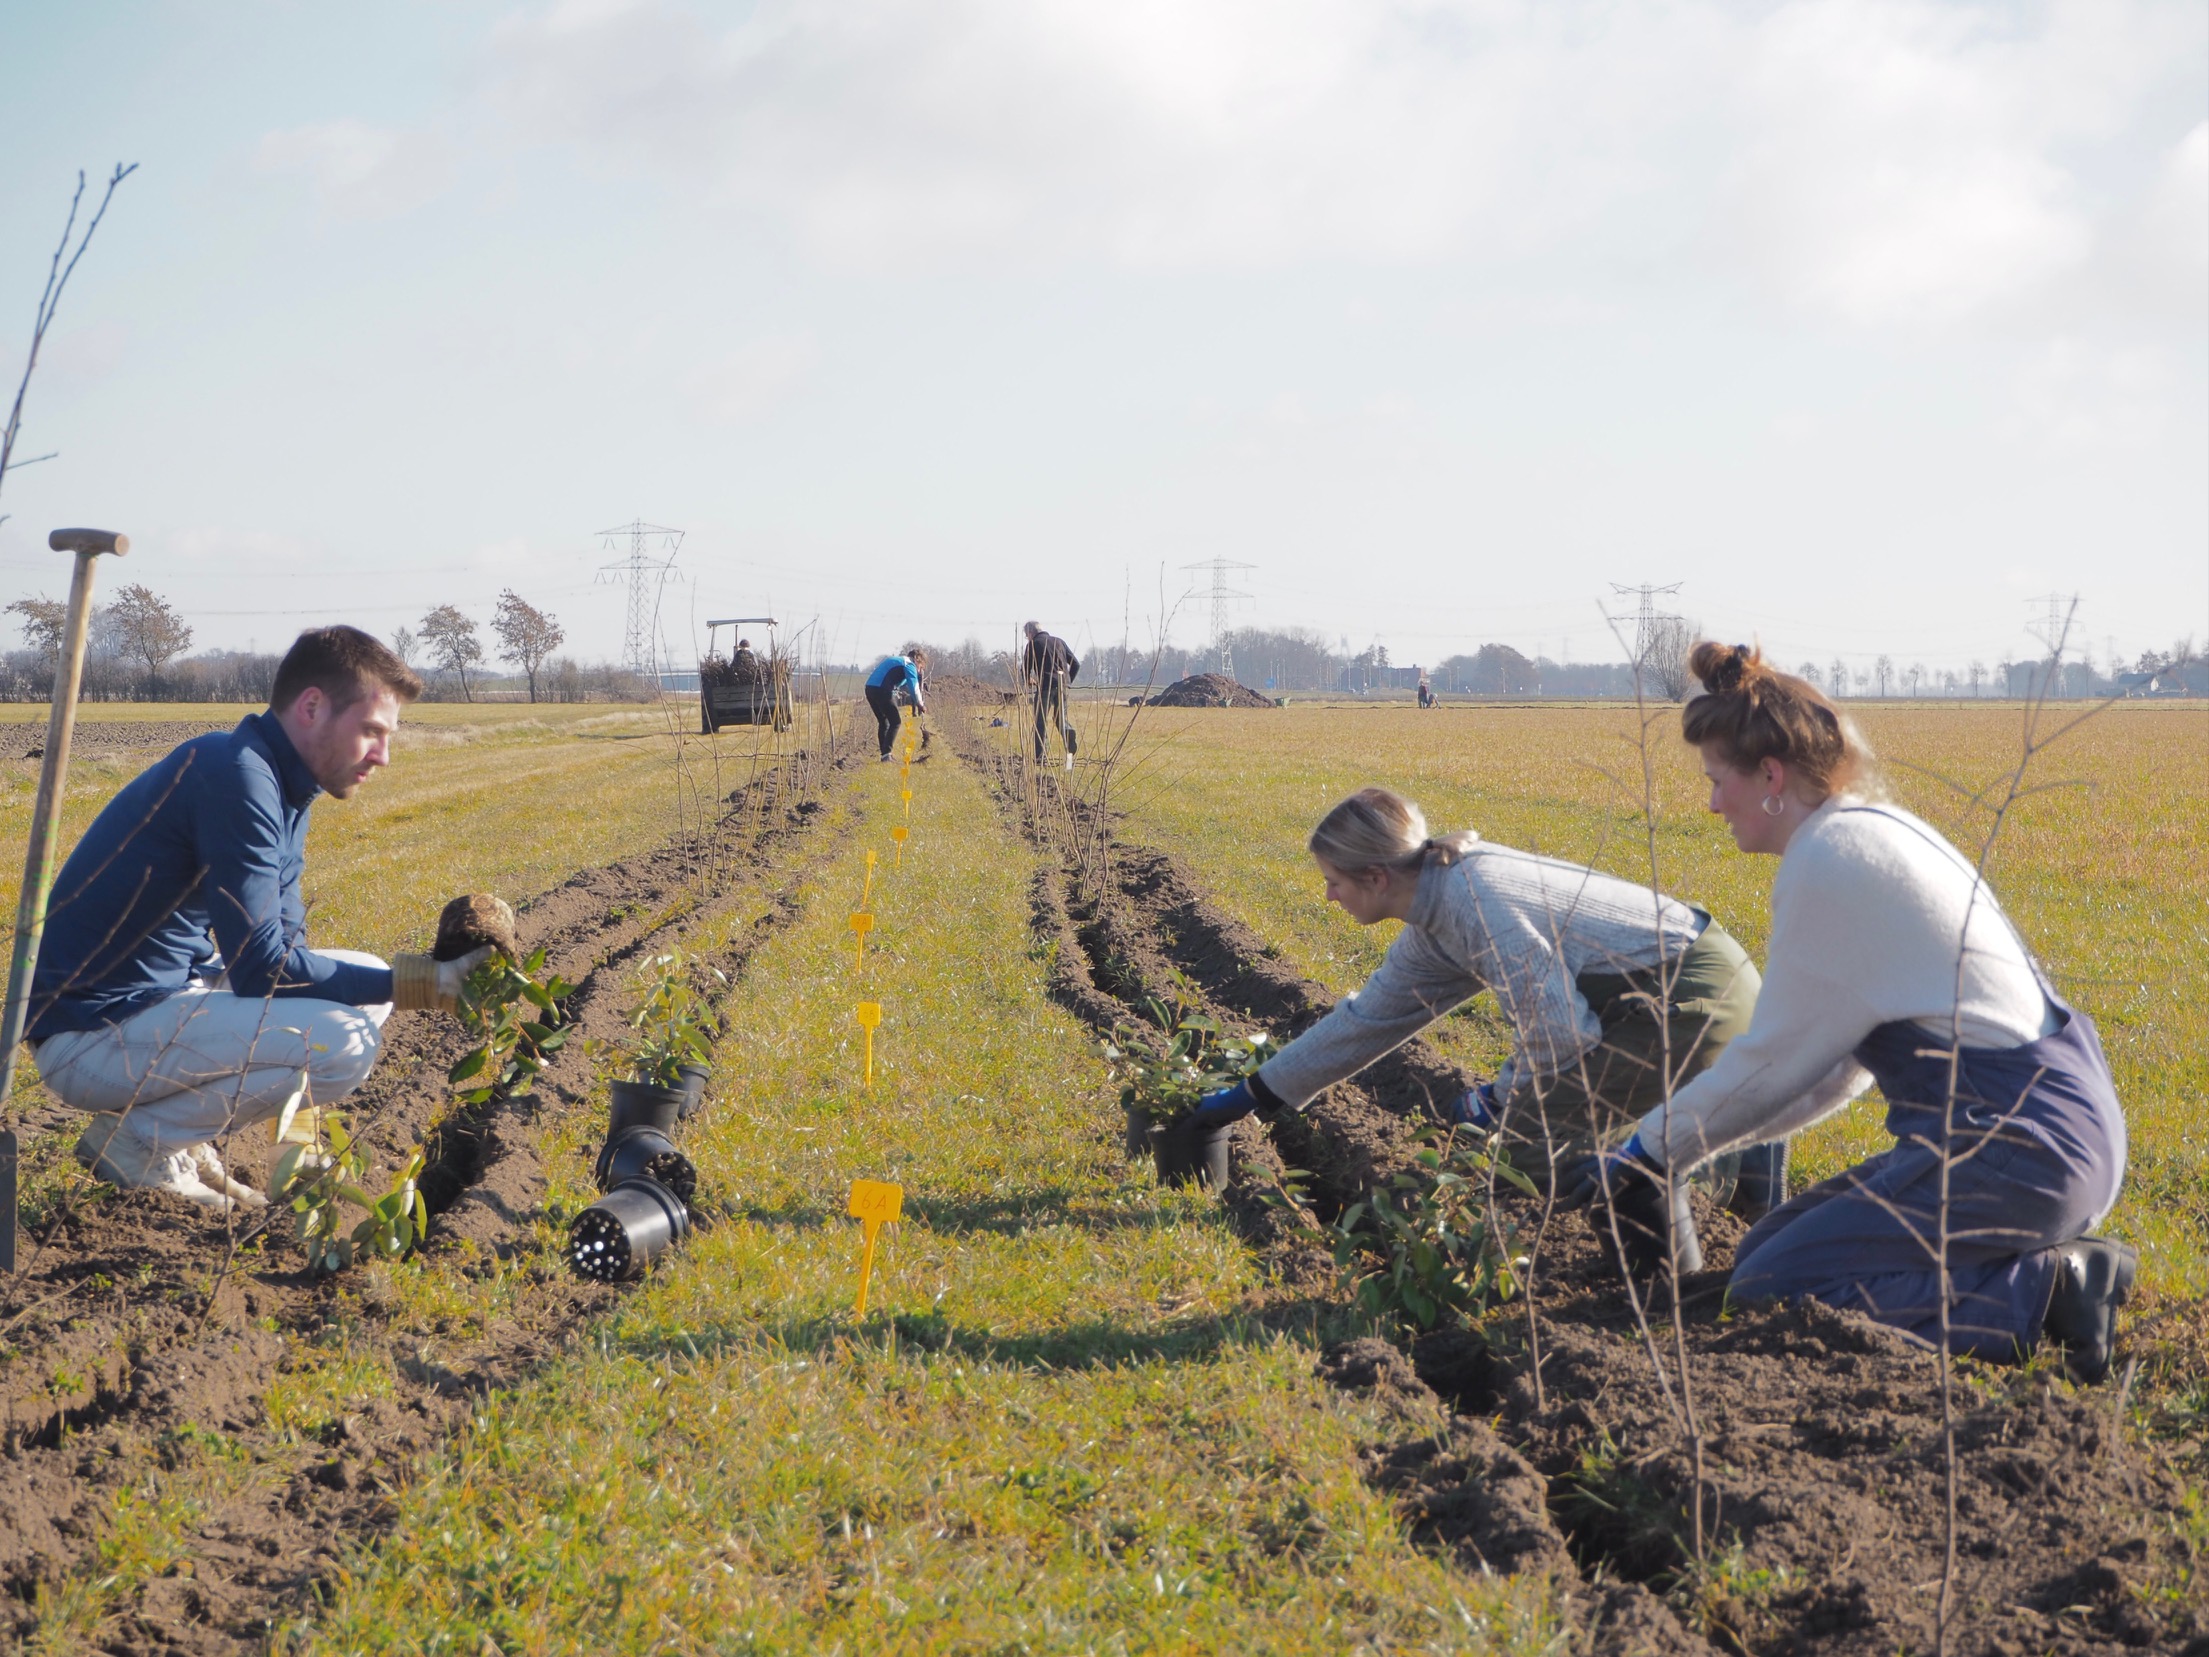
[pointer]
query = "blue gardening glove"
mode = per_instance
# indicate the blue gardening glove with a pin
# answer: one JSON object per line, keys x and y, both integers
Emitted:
{"x": 1230, "y": 1104}
{"x": 1479, "y": 1108}
{"x": 1620, "y": 1169}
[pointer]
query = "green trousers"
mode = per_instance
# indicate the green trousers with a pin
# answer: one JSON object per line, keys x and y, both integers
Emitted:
{"x": 1678, "y": 1020}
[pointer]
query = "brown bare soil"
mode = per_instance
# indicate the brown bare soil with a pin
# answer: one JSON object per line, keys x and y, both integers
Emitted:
{"x": 1551, "y": 1443}
{"x": 140, "y": 1323}
{"x": 27, "y": 739}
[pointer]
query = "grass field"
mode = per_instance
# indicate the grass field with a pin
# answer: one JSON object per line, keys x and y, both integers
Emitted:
{"x": 2107, "y": 875}
{"x": 1080, "y": 1415}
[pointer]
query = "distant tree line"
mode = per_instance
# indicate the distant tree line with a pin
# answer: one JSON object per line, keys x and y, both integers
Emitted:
{"x": 136, "y": 644}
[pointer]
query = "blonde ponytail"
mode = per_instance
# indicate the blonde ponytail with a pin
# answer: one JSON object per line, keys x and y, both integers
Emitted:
{"x": 1377, "y": 828}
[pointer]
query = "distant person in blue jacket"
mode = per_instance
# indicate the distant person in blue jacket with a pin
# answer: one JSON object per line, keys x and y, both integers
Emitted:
{"x": 896, "y": 679}
{"x": 176, "y": 998}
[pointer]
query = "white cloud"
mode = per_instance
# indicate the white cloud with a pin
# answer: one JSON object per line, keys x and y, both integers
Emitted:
{"x": 359, "y": 171}
{"x": 1881, "y": 160}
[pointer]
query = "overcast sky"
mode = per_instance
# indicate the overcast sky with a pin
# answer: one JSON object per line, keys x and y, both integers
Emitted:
{"x": 1865, "y": 321}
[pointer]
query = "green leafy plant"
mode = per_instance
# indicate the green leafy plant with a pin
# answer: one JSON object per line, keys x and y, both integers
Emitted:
{"x": 1430, "y": 1245}
{"x": 513, "y": 1014}
{"x": 1164, "y": 1077}
{"x": 323, "y": 1172}
{"x": 671, "y": 1025}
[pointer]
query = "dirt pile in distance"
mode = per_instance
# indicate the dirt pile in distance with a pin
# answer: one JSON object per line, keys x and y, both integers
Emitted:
{"x": 1210, "y": 690}
{"x": 963, "y": 687}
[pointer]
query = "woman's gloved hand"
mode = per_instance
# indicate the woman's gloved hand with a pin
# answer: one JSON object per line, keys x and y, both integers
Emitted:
{"x": 429, "y": 985}
{"x": 1229, "y": 1104}
{"x": 1625, "y": 1191}
{"x": 1479, "y": 1108}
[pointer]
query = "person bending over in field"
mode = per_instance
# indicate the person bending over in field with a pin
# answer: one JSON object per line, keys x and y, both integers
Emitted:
{"x": 1891, "y": 962}
{"x": 176, "y": 998}
{"x": 1047, "y": 666}
{"x": 1599, "y": 977}
{"x": 896, "y": 679}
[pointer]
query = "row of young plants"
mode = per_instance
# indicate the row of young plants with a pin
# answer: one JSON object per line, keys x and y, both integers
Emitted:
{"x": 1431, "y": 1244}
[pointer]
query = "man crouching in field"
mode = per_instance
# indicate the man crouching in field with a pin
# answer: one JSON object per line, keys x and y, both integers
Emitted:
{"x": 176, "y": 998}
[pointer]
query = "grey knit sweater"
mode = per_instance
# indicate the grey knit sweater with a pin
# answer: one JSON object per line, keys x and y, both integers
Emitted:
{"x": 1521, "y": 925}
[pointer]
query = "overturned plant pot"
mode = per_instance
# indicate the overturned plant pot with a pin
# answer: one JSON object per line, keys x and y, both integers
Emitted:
{"x": 618, "y": 1235}
{"x": 644, "y": 1104}
{"x": 641, "y": 1151}
{"x": 1186, "y": 1154}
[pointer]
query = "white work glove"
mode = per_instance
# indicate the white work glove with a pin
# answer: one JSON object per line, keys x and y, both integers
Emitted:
{"x": 430, "y": 985}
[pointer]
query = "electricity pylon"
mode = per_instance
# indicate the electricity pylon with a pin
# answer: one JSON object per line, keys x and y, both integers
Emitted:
{"x": 644, "y": 570}
{"x": 1224, "y": 597}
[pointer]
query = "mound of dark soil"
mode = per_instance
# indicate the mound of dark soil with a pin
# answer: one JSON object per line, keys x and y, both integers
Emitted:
{"x": 1565, "y": 1441}
{"x": 963, "y": 688}
{"x": 1210, "y": 690}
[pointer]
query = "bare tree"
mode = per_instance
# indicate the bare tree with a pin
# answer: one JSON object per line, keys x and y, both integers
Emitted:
{"x": 527, "y": 635}
{"x": 1883, "y": 675}
{"x": 404, "y": 643}
{"x": 450, "y": 637}
{"x": 1670, "y": 639}
{"x": 1916, "y": 678}
{"x": 1838, "y": 685}
{"x": 146, "y": 625}
{"x": 1976, "y": 675}
{"x": 57, "y": 278}
{"x": 1809, "y": 675}
{"x": 44, "y": 621}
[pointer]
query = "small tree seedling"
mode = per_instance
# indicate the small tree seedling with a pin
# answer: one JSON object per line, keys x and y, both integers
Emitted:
{"x": 874, "y": 1204}
{"x": 1161, "y": 1081}
{"x": 870, "y": 1015}
{"x": 671, "y": 1022}
{"x": 324, "y": 1167}
{"x": 513, "y": 1015}
{"x": 861, "y": 923}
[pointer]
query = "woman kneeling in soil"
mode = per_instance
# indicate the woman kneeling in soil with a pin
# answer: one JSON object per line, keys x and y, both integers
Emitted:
{"x": 1891, "y": 962}
{"x": 1580, "y": 962}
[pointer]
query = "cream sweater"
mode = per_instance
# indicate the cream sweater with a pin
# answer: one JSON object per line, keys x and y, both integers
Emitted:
{"x": 1875, "y": 918}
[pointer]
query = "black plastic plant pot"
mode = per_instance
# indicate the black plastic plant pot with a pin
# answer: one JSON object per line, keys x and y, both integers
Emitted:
{"x": 643, "y": 1104}
{"x": 641, "y": 1151}
{"x": 616, "y": 1237}
{"x": 694, "y": 1089}
{"x": 1190, "y": 1155}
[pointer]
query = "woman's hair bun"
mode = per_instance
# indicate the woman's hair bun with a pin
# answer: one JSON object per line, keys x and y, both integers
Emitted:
{"x": 1722, "y": 668}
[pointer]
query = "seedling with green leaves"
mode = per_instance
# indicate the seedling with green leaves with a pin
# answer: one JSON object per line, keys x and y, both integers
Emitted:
{"x": 513, "y": 1014}
{"x": 325, "y": 1171}
{"x": 1161, "y": 1081}
{"x": 672, "y": 1024}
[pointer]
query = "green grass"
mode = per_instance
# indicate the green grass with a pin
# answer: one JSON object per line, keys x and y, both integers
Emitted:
{"x": 2104, "y": 874}
{"x": 1062, "y": 1427}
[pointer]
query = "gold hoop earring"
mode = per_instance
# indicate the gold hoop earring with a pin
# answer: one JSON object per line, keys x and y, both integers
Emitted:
{"x": 1774, "y": 806}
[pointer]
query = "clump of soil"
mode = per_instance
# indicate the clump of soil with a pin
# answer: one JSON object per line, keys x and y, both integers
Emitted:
{"x": 475, "y": 920}
{"x": 1210, "y": 690}
{"x": 964, "y": 687}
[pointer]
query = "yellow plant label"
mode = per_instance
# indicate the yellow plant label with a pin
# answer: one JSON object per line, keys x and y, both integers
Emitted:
{"x": 874, "y": 1204}
{"x": 876, "y": 1201}
{"x": 862, "y": 923}
{"x": 870, "y": 1014}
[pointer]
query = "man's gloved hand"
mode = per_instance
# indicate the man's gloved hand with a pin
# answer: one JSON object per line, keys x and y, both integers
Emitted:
{"x": 1479, "y": 1108}
{"x": 429, "y": 985}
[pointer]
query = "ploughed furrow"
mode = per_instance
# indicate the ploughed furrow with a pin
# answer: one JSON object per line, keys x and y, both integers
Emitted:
{"x": 1563, "y": 1449}
{"x": 144, "y": 1334}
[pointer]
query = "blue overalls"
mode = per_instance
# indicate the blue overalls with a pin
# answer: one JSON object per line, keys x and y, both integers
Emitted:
{"x": 2038, "y": 1155}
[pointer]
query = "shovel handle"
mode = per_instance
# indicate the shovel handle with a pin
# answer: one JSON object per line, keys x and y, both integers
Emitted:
{"x": 108, "y": 541}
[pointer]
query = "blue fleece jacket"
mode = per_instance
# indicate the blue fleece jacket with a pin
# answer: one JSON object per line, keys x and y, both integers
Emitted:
{"x": 894, "y": 673}
{"x": 192, "y": 870}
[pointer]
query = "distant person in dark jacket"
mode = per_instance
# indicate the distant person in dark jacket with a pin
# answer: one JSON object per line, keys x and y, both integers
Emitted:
{"x": 1047, "y": 666}
{"x": 744, "y": 664}
{"x": 898, "y": 678}
{"x": 176, "y": 998}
